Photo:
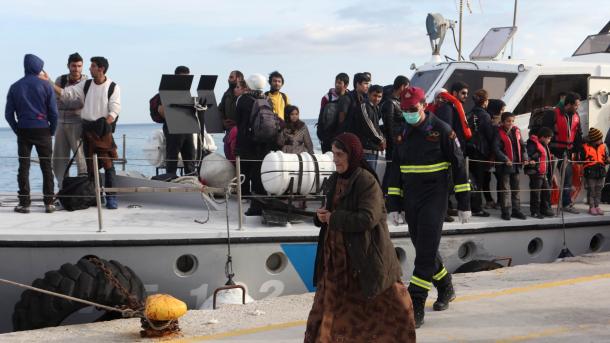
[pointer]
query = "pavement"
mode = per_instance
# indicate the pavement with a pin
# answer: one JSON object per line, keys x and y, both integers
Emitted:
{"x": 564, "y": 301}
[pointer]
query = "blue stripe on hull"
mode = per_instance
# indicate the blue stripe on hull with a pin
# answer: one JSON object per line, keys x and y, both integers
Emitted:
{"x": 303, "y": 258}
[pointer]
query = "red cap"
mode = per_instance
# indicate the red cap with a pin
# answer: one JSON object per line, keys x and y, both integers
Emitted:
{"x": 411, "y": 97}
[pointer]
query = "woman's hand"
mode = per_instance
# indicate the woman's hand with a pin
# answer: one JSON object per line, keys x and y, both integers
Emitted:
{"x": 323, "y": 215}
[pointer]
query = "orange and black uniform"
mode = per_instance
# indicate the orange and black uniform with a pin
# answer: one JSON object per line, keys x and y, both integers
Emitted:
{"x": 594, "y": 171}
{"x": 419, "y": 185}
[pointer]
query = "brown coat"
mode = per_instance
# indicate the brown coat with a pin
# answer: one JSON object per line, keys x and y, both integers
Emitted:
{"x": 362, "y": 217}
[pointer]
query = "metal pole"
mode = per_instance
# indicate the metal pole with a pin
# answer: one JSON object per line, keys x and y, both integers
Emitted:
{"x": 460, "y": 31}
{"x": 564, "y": 167}
{"x": 239, "y": 208}
{"x": 512, "y": 41}
{"x": 124, "y": 151}
{"x": 98, "y": 198}
{"x": 468, "y": 168}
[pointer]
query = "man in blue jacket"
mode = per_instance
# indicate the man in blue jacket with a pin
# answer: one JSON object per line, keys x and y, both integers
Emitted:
{"x": 31, "y": 111}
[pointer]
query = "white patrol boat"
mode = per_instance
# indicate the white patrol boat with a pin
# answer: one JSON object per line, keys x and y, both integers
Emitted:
{"x": 174, "y": 239}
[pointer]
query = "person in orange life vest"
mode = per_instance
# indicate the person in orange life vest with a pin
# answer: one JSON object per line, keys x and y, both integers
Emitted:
{"x": 595, "y": 155}
{"x": 567, "y": 140}
{"x": 540, "y": 173}
{"x": 510, "y": 149}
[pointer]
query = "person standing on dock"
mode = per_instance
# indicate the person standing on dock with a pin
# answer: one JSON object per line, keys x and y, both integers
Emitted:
{"x": 102, "y": 104}
{"x": 419, "y": 185}
{"x": 69, "y": 127}
{"x": 359, "y": 295}
{"x": 31, "y": 112}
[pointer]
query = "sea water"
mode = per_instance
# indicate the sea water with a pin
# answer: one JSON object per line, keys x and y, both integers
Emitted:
{"x": 136, "y": 138}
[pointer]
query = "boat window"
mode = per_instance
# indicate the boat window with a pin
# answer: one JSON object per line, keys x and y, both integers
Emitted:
{"x": 594, "y": 44}
{"x": 425, "y": 79}
{"x": 495, "y": 83}
{"x": 546, "y": 89}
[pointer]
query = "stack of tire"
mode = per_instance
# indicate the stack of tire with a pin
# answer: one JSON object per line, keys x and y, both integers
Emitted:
{"x": 83, "y": 280}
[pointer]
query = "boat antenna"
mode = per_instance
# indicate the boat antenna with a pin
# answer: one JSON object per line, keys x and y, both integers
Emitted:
{"x": 460, "y": 31}
{"x": 512, "y": 41}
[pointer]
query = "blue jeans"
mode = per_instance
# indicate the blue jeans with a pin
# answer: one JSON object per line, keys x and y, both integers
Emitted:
{"x": 371, "y": 159}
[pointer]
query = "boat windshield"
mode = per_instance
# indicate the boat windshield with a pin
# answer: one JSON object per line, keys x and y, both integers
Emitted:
{"x": 594, "y": 44}
{"x": 494, "y": 82}
{"x": 425, "y": 79}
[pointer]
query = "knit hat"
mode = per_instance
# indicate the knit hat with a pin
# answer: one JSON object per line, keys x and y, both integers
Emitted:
{"x": 411, "y": 97}
{"x": 353, "y": 148}
{"x": 595, "y": 135}
{"x": 256, "y": 82}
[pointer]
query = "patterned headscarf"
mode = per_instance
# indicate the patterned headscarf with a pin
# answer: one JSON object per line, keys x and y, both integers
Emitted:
{"x": 353, "y": 148}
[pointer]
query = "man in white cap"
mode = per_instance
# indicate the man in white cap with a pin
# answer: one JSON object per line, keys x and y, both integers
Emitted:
{"x": 252, "y": 109}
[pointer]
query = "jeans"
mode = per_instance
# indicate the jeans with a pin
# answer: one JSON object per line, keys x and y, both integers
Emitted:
{"x": 540, "y": 194}
{"x": 371, "y": 159}
{"x": 41, "y": 139}
{"x": 508, "y": 195}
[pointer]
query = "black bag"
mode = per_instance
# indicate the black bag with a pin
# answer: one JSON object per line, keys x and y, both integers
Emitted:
{"x": 328, "y": 119}
{"x": 77, "y": 192}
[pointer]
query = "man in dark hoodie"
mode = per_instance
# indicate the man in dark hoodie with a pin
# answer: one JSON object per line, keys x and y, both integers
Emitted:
{"x": 31, "y": 111}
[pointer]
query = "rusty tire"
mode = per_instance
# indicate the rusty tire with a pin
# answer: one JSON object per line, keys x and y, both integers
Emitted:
{"x": 82, "y": 280}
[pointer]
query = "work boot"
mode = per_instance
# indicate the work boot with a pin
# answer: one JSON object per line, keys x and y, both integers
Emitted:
{"x": 446, "y": 294}
{"x": 49, "y": 208}
{"x": 448, "y": 219}
{"x": 111, "y": 202}
{"x": 548, "y": 213}
{"x": 518, "y": 215}
{"x": 419, "y": 305}
{"x": 505, "y": 215}
{"x": 22, "y": 209}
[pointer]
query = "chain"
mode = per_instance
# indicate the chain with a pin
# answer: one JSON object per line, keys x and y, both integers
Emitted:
{"x": 133, "y": 302}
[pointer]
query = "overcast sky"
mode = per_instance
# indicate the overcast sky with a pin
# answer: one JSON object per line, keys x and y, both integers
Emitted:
{"x": 309, "y": 42}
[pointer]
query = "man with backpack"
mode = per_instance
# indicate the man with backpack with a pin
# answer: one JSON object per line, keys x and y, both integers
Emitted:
{"x": 350, "y": 104}
{"x": 69, "y": 127}
{"x": 279, "y": 100}
{"x": 101, "y": 99}
{"x": 174, "y": 143}
{"x": 257, "y": 129}
{"x": 328, "y": 119}
{"x": 566, "y": 142}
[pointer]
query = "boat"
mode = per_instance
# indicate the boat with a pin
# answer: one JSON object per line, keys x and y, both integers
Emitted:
{"x": 175, "y": 238}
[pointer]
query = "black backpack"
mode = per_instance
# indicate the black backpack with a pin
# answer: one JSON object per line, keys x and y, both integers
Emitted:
{"x": 328, "y": 119}
{"x": 110, "y": 91}
{"x": 154, "y": 103}
{"x": 264, "y": 123}
{"x": 537, "y": 118}
{"x": 77, "y": 192}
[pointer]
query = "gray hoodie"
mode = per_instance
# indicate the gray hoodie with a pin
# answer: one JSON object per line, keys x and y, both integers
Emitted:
{"x": 69, "y": 110}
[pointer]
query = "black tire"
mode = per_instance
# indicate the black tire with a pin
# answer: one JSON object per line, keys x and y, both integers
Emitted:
{"x": 477, "y": 266}
{"x": 82, "y": 280}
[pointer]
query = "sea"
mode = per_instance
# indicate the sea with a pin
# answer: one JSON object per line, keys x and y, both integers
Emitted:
{"x": 136, "y": 139}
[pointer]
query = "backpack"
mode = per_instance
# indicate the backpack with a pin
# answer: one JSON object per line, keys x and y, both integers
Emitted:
{"x": 63, "y": 81}
{"x": 110, "y": 91}
{"x": 328, "y": 119}
{"x": 537, "y": 119}
{"x": 77, "y": 192}
{"x": 154, "y": 103}
{"x": 264, "y": 123}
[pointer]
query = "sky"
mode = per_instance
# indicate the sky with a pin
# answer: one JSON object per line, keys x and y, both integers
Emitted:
{"x": 309, "y": 42}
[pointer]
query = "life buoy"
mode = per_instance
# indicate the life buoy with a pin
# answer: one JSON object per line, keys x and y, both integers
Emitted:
{"x": 83, "y": 280}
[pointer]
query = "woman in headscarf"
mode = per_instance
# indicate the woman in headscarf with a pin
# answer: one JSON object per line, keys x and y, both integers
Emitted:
{"x": 294, "y": 138}
{"x": 359, "y": 296}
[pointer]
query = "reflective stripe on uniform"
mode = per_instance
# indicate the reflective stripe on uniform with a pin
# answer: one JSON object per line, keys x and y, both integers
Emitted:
{"x": 426, "y": 168}
{"x": 440, "y": 274}
{"x": 421, "y": 283}
{"x": 395, "y": 191}
{"x": 464, "y": 187}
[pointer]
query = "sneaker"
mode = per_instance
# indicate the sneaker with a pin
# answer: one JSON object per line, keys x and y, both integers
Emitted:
{"x": 538, "y": 215}
{"x": 592, "y": 211}
{"x": 449, "y": 219}
{"x": 22, "y": 209}
{"x": 481, "y": 213}
{"x": 452, "y": 212}
{"x": 548, "y": 213}
{"x": 50, "y": 208}
{"x": 505, "y": 216}
{"x": 518, "y": 215}
{"x": 570, "y": 209}
{"x": 599, "y": 211}
{"x": 111, "y": 202}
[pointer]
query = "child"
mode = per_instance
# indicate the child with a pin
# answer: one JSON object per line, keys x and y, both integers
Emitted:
{"x": 510, "y": 149}
{"x": 595, "y": 154}
{"x": 294, "y": 138}
{"x": 540, "y": 173}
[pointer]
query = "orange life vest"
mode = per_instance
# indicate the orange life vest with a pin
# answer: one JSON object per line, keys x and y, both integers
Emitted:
{"x": 594, "y": 155}
{"x": 544, "y": 155}
{"x": 461, "y": 114}
{"x": 564, "y": 135}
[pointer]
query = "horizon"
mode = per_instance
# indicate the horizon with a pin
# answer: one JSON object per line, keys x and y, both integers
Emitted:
{"x": 309, "y": 43}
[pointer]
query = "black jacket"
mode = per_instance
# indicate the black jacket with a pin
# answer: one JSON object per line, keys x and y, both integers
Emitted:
{"x": 246, "y": 147}
{"x": 361, "y": 216}
{"x": 365, "y": 125}
{"x": 431, "y": 145}
{"x": 480, "y": 147}
{"x": 391, "y": 115}
{"x": 449, "y": 114}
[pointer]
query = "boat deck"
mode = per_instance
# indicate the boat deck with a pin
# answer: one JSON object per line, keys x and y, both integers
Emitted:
{"x": 138, "y": 221}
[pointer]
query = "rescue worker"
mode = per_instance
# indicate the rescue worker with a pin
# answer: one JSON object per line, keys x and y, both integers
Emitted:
{"x": 418, "y": 184}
